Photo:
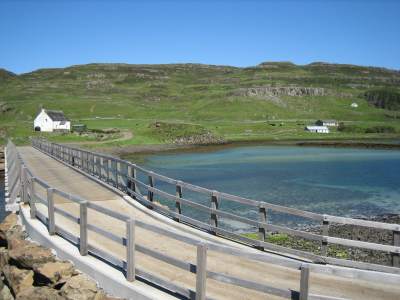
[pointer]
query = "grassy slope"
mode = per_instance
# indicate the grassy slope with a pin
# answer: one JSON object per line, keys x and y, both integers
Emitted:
{"x": 132, "y": 97}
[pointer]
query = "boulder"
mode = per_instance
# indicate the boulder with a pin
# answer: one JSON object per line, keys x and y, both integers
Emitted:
{"x": 81, "y": 287}
{"x": 5, "y": 293}
{"x": 55, "y": 271}
{"x": 18, "y": 280}
{"x": 9, "y": 222}
{"x": 15, "y": 233}
{"x": 38, "y": 293}
{"x": 3, "y": 257}
{"x": 27, "y": 254}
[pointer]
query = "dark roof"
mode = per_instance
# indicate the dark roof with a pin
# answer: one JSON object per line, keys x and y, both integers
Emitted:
{"x": 56, "y": 115}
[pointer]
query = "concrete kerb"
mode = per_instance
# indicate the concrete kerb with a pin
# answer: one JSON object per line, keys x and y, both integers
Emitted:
{"x": 108, "y": 278}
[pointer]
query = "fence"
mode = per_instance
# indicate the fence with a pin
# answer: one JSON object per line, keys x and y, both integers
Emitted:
{"x": 29, "y": 195}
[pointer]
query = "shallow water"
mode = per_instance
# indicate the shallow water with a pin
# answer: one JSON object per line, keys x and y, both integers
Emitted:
{"x": 345, "y": 182}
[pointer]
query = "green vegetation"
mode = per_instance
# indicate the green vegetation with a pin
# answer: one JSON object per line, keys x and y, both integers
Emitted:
{"x": 288, "y": 241}
{"x": 193, "y": 99}
{"x": 384, "y": 98}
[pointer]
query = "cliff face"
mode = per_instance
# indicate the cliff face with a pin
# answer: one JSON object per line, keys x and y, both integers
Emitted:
{"x": 282, "y": 91}
{"x": 29, "y": 271}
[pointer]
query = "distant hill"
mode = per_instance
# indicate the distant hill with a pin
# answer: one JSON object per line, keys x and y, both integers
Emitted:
{"x": 201, "y": 94}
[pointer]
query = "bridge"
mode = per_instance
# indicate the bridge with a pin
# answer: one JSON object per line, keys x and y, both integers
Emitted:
{"x": 107, "y": 209}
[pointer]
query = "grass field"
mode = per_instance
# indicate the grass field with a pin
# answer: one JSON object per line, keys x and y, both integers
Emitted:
{"x": 190, "y": 100}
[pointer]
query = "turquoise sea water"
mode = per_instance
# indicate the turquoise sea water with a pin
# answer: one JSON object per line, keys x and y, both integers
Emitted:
{"x": 345, "y": 182}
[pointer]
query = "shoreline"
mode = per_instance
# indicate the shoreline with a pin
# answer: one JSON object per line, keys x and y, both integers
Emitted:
{"x": 140, "y": 151}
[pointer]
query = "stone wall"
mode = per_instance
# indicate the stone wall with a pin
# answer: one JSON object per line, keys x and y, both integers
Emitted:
{"x": 29, "y": 271}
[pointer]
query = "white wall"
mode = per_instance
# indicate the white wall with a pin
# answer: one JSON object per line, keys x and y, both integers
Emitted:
{"x": 65, "y": 126}
{"x": 44, "y": 122}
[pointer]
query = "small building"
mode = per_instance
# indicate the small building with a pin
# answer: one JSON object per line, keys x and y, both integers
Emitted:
{"x": 331, "y": 123}
{"x": 79, "y": 127}
{"x": 51, "y": 120}
{"x": 355, "y": 105}
{"x": 317, "y": 129}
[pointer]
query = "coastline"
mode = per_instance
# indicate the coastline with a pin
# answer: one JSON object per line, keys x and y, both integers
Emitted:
{"x": 139, "y": 152}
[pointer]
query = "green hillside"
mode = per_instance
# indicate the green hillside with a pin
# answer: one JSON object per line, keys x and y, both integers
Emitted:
{"x": 155, "y": 104}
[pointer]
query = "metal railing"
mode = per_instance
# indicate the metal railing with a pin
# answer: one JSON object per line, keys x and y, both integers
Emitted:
{"x": 125, "y": 176}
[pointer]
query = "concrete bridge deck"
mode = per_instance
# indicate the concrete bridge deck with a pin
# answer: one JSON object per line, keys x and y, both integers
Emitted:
{"x": 65, "y": 178}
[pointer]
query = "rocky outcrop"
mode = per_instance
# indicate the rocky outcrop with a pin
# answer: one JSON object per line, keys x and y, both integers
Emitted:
{"x": 29, "y": 271}
{"x": 294, "y": 91}
{"x": 200, "y": 139}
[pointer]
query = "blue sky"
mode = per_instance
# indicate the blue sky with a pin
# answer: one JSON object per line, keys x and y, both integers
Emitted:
{"x": 42, "y": 34}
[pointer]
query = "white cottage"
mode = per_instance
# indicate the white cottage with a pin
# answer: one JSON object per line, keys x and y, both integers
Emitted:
{"x": 331, "y": 123}
{"x": 51, "y": 120}
{"x": 317, "y": 129}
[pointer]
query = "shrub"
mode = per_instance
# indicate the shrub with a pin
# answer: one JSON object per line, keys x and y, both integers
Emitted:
{"x": 380, "y": 129}
{"x": 384, "y": 98}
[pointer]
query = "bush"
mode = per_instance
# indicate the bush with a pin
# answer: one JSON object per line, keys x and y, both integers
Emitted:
{"x": 349, "y": 128}
{"x": 380, "y": 129}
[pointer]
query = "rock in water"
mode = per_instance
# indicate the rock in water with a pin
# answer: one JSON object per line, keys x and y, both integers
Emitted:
{"x": 18, "y": 280}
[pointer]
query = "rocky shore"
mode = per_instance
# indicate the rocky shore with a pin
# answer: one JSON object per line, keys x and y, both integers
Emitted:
{"x": 32, "y": 272}
{"x": 351, "y": 232}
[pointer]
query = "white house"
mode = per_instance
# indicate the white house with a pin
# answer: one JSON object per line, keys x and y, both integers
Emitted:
{"x": 332, "y": 123}
{"x": 317, "y": 129}
{"x": 51, "y": 120}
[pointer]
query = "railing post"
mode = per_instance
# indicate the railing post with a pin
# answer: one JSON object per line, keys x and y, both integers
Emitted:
{"x": 33, "y": 199}
{"x": 50, "y": 209}
{"x": 396, "y": 242}
{"x": 304, "y": 281}
{"x": 201, "y": 271}
{"x": 129, "y": 184}
{"x": 150, "y": 194}
{"x": 83, "y": 228}
{"x": 213, "y": 215}
{"x": 135, "y": 185}
{"x": 325, "y": 232}
{"x": 178, "y": 207}
{"x": 117, "y": 171}
{"x": 24, "y": 176}
{"x": 108, "y": 170}
{"x": 262, "y": 212}
{"x": 130, "y": 249}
